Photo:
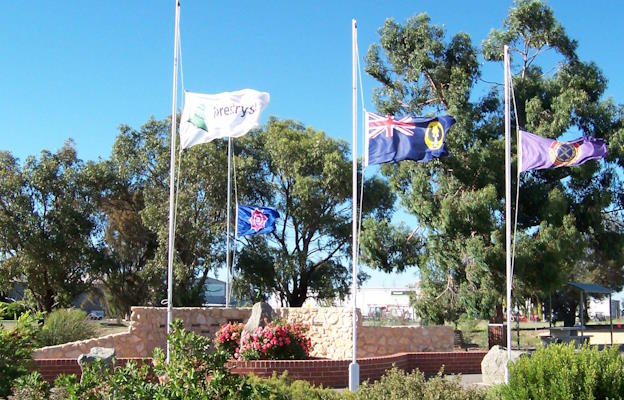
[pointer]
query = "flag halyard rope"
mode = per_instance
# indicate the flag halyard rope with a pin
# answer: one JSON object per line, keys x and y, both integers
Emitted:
{"x": 515, "y": 227}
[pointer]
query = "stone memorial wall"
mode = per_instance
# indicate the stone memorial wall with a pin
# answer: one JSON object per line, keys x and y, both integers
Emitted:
{"x": 330, "y": 331}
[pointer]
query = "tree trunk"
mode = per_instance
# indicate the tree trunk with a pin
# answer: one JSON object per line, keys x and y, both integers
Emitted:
{"x": 498, "y": 316}
{"x": 297, "y": 299}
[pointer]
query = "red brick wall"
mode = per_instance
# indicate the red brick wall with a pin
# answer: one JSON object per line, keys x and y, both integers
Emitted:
{"x": 336, "y": 373}
{"x": 50, "y": 369}
{"x": 458, "y": 362}
{"x": 329, "y": 373}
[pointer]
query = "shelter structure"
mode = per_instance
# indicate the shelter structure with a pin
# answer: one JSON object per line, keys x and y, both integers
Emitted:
{"x": 592, "y": 288}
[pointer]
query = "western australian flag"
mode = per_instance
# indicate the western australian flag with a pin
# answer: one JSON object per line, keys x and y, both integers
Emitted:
{"x": 255, "y": 220}
{"x": 393, "y": 139}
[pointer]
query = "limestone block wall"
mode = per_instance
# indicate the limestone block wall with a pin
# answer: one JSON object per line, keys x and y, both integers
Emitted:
{"x": 148, "y": 330}
{"x": 384, "y": 340}
{"x": 330, "y": 331}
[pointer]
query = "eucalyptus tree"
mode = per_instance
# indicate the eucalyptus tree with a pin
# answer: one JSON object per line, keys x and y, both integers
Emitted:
{"x": 48, "y": 226}
{"x": 140, "y": 161}
{"x": 567, "y": 226}
{"x": 308, "y": 176}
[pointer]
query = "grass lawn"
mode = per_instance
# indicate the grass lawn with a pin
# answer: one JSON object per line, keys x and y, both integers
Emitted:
{"x": 8, "y": 325}
{"x": 529, "y": 332}
{"x": 106, "y": 327}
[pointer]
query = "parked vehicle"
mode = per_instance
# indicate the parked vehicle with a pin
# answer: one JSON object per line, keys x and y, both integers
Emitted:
{"x": 96, "y": 314}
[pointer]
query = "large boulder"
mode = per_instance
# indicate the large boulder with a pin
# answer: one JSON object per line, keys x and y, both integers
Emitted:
{"x": 493, "y": 364}
{"x": 105, "y": 354}
{"x": 261, "y": 314}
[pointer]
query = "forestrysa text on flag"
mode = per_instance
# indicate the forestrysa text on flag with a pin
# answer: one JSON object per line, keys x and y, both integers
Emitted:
{"x": 393, "y": 139}
{"x": 211, "y": 116}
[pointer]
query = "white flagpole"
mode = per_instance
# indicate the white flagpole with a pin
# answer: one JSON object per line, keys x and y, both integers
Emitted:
{"x": 508, "y": 207}
{"x": 227, "y": 240}
{"x": 172, "y": 174}
{"x": 354, "y": 368}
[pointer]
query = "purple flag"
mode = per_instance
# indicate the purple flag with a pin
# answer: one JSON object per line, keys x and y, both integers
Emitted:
{"x": 536, "y": 152}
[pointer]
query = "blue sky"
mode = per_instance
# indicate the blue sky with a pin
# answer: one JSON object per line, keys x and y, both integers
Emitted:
{"x": 79, "y": 69}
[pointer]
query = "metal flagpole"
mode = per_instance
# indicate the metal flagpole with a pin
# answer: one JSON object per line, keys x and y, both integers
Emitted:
{"x": 227, "y": 240}
{"x": 354, "y": 368}
{"x": 172, "y": 174}
{"x": 611, "y": 318}
{"x": 508, "y": 207}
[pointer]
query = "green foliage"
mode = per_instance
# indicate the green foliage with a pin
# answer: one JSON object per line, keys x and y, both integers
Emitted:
{"x": 135, "y": 195}
{"x": 396, "y": 384}
{"x": 437, "y": 300}
{"x": 12, "y": 310}
{"x": 284, "y": 388}
{"x": 67, "y": 387}
{"x": 563, "y": 372}
{"x": 533, "y": 23}
{"x": 31, "y": 387}
{"x": 307, "y": 176}
{"x": 16, "y": 349}
{"x": 66, "y": 325}
{"x": 46, "y": 234}
{"x": 99, "y": 383}
{"x": 196, "y": 371}
{"x": 569, "y": 219}
{"x": 129, "y": 244}
{"x": 387, "y": 247}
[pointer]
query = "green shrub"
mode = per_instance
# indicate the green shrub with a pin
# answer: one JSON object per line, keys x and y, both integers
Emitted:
{"x": 31, "y": 387}
{"x": 16, "y": 349}
{"x": 13, "y": 310}
{"x": 66, "y": 325}
{"x": 396, "y": 384}
{"x": 284, "y": 388}
{"x": 563, "y": 372}
{"x": 195, "y": 370}
{"x": 65, "y": 387}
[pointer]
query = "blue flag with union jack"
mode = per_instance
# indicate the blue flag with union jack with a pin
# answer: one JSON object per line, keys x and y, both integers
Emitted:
{"x": 393, "y": 139}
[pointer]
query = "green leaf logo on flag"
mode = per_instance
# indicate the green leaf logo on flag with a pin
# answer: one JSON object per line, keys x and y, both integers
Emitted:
{"x": 197, "y": 118}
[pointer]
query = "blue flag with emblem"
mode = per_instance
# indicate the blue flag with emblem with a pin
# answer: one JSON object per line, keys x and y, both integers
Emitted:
{"x": 255, "y": 220}
{"x": 392, "y": 139}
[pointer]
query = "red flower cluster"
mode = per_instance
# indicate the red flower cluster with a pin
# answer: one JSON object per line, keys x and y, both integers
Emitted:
{"x": 275, "y": 341}
{"x": 228, "y": 337}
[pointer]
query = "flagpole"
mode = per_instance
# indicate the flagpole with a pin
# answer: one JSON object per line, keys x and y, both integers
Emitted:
{"x": 508, "y": 207}
{"x": 354, "y": 368}
{"x": 227, "y": 241}
{"x": 172, "y": 175}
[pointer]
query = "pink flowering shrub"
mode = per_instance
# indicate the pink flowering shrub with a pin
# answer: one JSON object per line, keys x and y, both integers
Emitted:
{"x": 228, "y": 337}
{"x": 275, "y": 341}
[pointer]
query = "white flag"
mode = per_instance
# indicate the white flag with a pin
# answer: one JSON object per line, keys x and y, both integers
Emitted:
{"x": 211, "y": 116}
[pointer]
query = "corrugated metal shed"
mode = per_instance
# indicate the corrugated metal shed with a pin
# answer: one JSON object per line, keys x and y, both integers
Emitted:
{"x": 590, "y": 287}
